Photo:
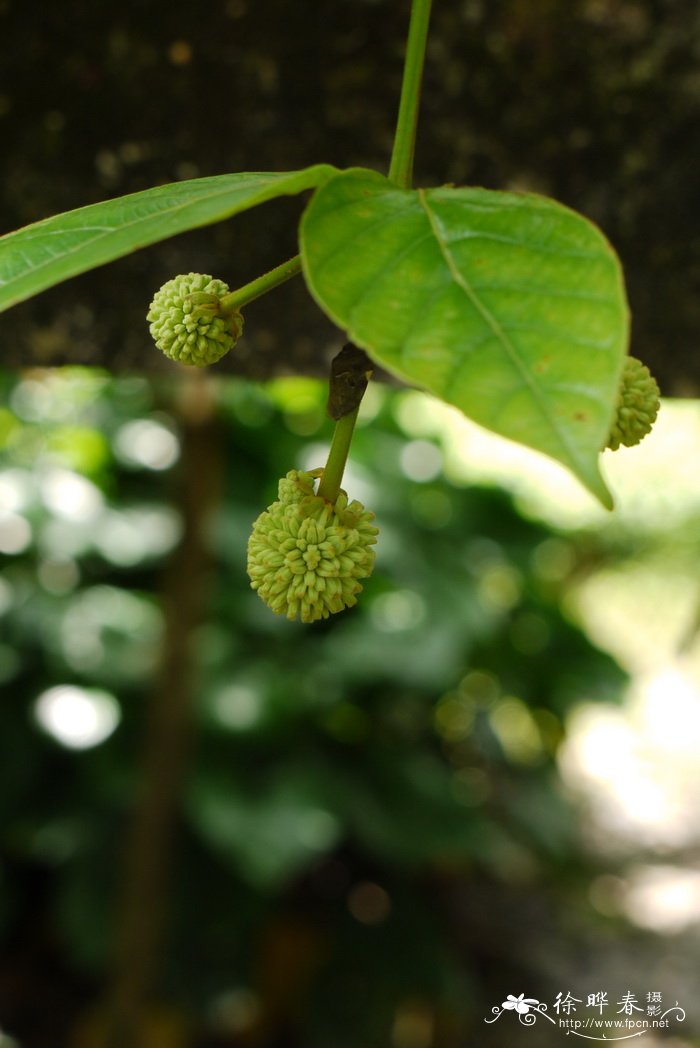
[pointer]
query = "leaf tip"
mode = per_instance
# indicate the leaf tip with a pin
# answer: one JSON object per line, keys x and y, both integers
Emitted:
{"x": 594, "y": 482}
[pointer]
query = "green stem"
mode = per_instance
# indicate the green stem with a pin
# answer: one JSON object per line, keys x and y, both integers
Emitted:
{"x": 235, "y": 300}
{"x": 401, "y": 169}
{"x": 329, "y": 486}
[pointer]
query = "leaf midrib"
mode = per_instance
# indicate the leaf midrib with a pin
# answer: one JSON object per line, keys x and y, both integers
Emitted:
{"x": 107, "y": 232}
{"x": 491, "y": 321}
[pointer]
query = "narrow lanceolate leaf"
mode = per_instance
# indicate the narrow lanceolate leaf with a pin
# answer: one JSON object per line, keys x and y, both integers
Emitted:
{"x": 507, "y": 305}
{"x": 48, "y": 252}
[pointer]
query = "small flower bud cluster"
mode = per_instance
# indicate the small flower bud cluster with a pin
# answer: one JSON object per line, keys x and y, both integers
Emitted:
{"x": 637, "y": 405}
{"x": 186, "y": 322}
{"x": 305, "y": 555}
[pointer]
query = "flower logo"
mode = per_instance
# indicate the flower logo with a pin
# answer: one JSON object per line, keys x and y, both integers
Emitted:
{"x": 519, "y": 1004}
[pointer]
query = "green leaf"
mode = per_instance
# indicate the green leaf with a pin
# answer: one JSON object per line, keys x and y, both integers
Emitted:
{"x": 45, "y": 253}
{"x": 507, "y": 305}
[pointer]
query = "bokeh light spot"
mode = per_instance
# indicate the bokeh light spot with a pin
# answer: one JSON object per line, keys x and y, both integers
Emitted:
{"x": 516, "y": 730}
{"x": 129, "y": 536}
{"x": 70, "y": 496}
{"x": 237, "y": 706}
{"x": 500, "y": 587}
{"x": 431, "y": 507}
{"x": 454, "y": 717}
{"x": 15, "y": 490}
{"x": 15, "y": 534}
{"x": 420, "y": 460}
{"x": 58, "y": 576}
{"x": 147, "y": 443}
{"x": 414, "y": 1025}
{"x": 401, "y": 610}
{"x": 317, "y": 829}
{"x": 369, "y": 903}
{"x": 78, "y": 718}
{"x": 662, "y": 898}
{"x": 234, "y": 1011}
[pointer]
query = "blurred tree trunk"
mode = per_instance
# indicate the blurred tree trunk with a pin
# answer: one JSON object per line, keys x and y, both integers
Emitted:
{"x": 151, "y": 847}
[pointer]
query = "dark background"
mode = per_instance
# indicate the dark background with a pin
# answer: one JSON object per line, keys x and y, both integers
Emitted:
{"x": 594, "y": 102}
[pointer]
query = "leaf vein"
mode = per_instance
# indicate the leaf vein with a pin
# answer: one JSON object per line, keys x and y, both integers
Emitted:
{"x": 386, "y": 270}
{"x": 501, "y": 335}
{"x": 548, "y": 292}
{"x": 171, "y": 209}
{"x": 361, "y": 231}
{"x": 499, "y": 238}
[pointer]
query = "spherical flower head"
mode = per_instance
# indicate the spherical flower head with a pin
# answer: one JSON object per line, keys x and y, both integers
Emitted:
{"x": 186, "y": 321}
{"x": 306, "y": 556}
{"x": 637, "y": 405}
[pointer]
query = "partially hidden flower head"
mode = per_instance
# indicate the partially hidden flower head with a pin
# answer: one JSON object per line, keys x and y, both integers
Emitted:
{"x": 187, "y": 323}
{"x": 306, "y": 556}
{"x": 637, "y": 405}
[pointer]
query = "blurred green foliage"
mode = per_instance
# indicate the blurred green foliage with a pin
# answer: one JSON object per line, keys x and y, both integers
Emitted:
{"x": 349, "y": 781}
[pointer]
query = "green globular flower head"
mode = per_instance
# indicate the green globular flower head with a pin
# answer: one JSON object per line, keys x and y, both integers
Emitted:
{"x": 186, "y": 321}
{"x": 637, "y": 405}
{"x": 306, "y": 556}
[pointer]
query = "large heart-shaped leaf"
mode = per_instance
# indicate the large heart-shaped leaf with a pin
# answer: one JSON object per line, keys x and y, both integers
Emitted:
{"x": 507, "y": 305}
{"x": 47, "y": 252}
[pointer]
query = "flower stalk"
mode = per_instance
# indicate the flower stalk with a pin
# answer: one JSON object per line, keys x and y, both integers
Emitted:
{"x": 332, "y": 478}
{"x": 235, "y": 300}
